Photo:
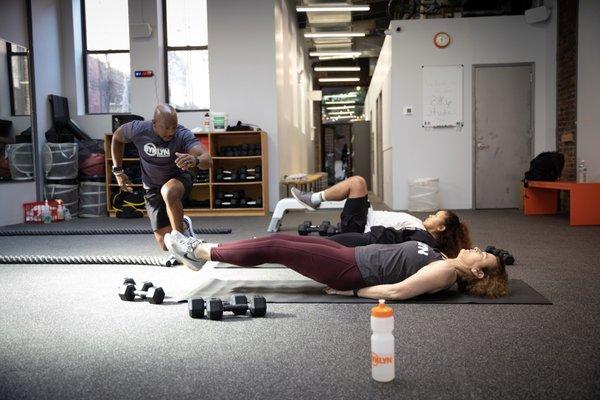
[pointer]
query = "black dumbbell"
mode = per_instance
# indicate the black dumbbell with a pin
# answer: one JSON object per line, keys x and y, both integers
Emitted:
{"x": 228, "y": 203}
{"x": 155, "y": 295}
{"x": 334, "y": 230}
{"x": 508, "y": 258}
{"x": 221, "y": 171}
{"x": 244, "y": 170}
{"x": 251, "y": 203}
{"x": 306, "y": 228}
{"x": 232, "y": 177}
{"x": 238, "y": 304}
{"x": 236, "y": 194}
{"x": 324, "y": 227}
{"x": 246, "y": 177}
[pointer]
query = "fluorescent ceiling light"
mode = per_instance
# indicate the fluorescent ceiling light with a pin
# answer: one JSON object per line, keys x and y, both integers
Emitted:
{"x": 338, "y": 69}
{"x": 333, "y": 8}
{"x": 340, "y": 107}
{"x": 335, "y": 103}
{"x": 342, "y": 114}
{"x": 346, "y": 79}
{"x": 334, "y": 53}
{"x": 333, "y": 34}
{"x": 341, "y": 95}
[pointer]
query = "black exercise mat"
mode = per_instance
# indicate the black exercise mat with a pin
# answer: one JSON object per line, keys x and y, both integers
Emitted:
{"x": 306, "y": 291}
{"x": 268, "y": 265}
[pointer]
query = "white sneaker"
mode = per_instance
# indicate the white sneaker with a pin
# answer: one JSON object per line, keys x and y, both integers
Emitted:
{"x": 182, "y": 247}
{"x": 188, "y": 229}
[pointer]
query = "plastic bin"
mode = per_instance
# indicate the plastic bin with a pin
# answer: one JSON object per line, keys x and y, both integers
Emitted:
{"x": 61, "y": 160}
{"x": 92, "y": 199}
{"x": 67, "y": 193}
{"x": 20, "y": 161}
{"x": 423, "y": 194}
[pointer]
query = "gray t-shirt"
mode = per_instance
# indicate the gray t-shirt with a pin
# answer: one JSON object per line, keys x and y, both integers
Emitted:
{"x": 157, "y": 156}
{"x": 392, "y": 263}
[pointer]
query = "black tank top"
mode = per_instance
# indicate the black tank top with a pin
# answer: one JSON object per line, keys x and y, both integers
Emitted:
{"x": 392, "y": 263}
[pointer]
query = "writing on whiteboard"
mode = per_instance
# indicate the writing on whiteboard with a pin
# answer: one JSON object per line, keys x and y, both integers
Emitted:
{"x": 442, "y": 96}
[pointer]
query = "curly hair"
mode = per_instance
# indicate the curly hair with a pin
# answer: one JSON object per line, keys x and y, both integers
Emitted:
{"x": 493, "y": 284}
{"x": 455, "y": 237}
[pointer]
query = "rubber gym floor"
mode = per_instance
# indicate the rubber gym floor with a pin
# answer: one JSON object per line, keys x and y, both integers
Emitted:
{"x": 67, "y": 335}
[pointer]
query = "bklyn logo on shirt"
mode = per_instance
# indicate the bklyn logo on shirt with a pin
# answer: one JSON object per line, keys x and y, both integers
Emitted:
{"x": 422, "y": 249}
{"x": 153, "y": 151}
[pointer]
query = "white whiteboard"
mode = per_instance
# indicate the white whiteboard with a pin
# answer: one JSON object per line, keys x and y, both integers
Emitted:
{"x": 442, "y": 96}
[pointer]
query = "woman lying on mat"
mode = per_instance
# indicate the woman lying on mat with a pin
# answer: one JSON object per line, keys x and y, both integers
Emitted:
{"x": 442, "y": 230}
{"x": 361, "y": 225}
{"x": 395, "y": 272}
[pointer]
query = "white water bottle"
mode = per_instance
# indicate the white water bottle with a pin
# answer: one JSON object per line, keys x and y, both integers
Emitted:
{"x": 206, "y": 123}
{"x": 581, "y": 172}
{"x": 382, "y": 343}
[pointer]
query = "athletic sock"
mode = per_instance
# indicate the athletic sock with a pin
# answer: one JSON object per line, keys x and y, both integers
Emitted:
{"x": 317, "y": 198}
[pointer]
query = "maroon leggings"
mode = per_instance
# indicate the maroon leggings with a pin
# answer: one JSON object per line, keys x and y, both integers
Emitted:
{"x": 322, "y": 260}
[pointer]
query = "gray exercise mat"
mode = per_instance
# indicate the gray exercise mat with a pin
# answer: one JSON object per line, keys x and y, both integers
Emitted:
{"x": 306, "y": 291}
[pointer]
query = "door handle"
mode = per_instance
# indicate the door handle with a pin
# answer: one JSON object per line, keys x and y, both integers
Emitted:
{"x": 481, "y": 146}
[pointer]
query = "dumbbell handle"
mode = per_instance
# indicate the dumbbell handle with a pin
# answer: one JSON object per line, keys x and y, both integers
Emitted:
{"x": 231, "y": 307}
{"x": 141, "y": 293}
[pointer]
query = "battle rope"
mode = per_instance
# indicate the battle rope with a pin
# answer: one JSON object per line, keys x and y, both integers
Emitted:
{"x": 103, "y": 231}
{"x": 158, "y": 261}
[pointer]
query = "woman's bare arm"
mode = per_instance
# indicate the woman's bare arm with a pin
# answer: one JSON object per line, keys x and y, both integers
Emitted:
{"x": 432, "y": 278}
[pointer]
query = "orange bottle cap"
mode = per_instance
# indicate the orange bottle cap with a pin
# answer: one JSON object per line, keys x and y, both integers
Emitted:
{"x": 381, "y": 310}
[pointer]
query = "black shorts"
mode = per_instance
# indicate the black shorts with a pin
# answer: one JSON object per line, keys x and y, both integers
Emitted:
{"x": 156, "y": 207}
{"x": 354, "y": 214}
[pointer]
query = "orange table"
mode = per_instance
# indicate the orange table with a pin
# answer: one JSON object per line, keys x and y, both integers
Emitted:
{"x": 542, "y": 198}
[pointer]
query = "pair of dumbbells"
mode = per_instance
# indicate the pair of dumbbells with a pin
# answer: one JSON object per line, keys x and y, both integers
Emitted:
{"x": 238, "y": 305}
{"x": 225, "y": 175}
{"x": 248, "y": 202}
{"x": 128, "y": 291}
{"x": 307, "y": 228}
{"x": 506, "y": 257}
{"x": 250, "y": 149}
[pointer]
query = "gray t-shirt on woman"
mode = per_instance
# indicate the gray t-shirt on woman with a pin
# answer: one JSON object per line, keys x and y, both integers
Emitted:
{"x": 157, "y": 156}
{"x": 392, "y": 263}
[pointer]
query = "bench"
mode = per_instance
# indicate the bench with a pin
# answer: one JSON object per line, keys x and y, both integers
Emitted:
{"x": 285, "y": 205}
{"x": 542, "y": 198}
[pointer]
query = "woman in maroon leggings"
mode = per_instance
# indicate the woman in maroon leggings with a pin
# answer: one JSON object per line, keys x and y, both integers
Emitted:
{"x": 396, "y": 272}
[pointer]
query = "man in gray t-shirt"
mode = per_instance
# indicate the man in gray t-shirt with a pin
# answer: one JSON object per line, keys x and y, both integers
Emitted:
{"x": 167, "y": 152}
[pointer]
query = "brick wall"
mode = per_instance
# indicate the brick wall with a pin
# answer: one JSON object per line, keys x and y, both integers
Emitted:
{"x": 566, "y": 86}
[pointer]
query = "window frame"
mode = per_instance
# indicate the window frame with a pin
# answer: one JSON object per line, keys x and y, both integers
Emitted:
{"x": 9, "y": 56}
{"x": 85, "y": 52}
{"x": 168, "y": 48}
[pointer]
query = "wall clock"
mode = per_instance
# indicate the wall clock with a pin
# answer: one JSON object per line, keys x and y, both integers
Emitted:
{"x": 441, "y": 40}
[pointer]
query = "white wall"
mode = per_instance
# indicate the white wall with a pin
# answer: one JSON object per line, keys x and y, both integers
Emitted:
{"x": 294, "y": 109}
{"x": 445, "y": 152}
{"x": 13, "y": 22}
{"x": 380, "y": 84}
{"x": 588, "y": 88}
{"x": 241, "y": 37}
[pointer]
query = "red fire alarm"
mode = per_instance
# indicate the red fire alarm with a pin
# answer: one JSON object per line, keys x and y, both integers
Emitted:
{"x": 143, "y": 74}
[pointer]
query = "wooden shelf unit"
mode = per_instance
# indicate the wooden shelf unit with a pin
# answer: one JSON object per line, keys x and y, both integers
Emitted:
{"x": 213, "y": 141}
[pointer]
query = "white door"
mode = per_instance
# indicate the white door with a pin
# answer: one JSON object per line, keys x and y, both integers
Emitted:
{"x": 502, "y": 133}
